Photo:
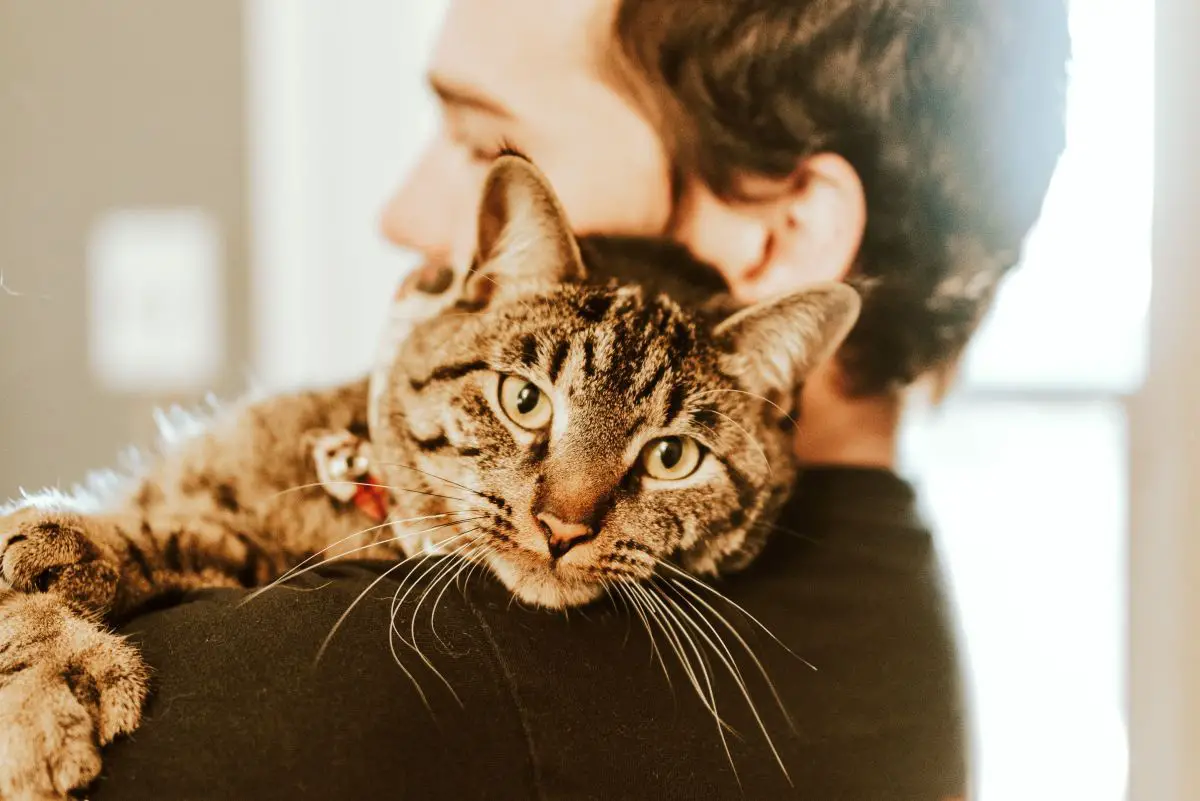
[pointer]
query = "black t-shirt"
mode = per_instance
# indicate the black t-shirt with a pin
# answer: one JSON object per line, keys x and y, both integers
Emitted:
{"x": 553, "y": 706}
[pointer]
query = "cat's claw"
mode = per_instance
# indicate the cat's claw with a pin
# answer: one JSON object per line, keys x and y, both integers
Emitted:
{"x": 67, "y": 687}
{"x": 43, "y": 551}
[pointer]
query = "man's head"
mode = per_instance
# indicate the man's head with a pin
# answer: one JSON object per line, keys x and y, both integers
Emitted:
{"x": 904, "y": 146}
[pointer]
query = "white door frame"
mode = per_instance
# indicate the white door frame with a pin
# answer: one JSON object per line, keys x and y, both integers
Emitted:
{"x": 336, "y": 112}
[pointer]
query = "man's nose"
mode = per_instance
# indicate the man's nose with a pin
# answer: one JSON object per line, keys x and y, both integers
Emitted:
{"x": 561, "y": 535}
{"x": 428, "y": 212}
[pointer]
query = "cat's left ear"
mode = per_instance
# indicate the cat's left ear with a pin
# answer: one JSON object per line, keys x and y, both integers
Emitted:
{"x": 772, "y": 346}
{"x": 524, "y": 241}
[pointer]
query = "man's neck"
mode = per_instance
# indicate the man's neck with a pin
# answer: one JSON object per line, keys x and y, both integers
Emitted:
{"x": 835, "y": 429}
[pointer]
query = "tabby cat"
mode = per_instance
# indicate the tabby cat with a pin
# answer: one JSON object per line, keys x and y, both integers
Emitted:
{"x": 572, "y": 414}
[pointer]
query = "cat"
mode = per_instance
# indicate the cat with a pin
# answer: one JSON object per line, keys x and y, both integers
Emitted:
{"x": 572, "y": 413}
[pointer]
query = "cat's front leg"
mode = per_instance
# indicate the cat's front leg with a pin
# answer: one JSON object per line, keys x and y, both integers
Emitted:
{"x": 61, "y": 553}
{"x": 67, "y": 687}
{"x": 111, "y": 564}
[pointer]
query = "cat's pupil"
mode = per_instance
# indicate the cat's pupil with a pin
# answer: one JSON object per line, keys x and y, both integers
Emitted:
{"x": 670, "y": 451}
{"x": 527, "y": 398}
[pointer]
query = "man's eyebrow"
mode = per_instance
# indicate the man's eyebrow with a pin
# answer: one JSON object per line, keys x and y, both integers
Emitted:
{"x": 461, "y": 96}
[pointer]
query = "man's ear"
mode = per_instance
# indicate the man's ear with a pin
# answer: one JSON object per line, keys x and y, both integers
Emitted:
{"x": 773, "y": 346}
{"x": 524, "y": 239}
{"x": 786, "y": 234}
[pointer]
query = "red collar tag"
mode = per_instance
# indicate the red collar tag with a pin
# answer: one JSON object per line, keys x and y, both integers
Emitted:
{"x": 371, "y": 498}
{"x": 343, "y": 463}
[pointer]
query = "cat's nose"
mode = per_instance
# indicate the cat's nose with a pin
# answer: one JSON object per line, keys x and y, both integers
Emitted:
{"x": 562, "y": 536}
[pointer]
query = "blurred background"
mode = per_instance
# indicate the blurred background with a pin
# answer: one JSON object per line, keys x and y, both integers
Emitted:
{"x": 189, "y": 194}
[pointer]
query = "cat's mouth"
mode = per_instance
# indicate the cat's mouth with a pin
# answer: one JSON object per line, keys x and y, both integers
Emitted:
{"x": 548, "y": 583}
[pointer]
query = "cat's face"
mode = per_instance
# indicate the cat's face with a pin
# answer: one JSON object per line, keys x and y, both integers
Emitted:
{"x": 594, "y": 431}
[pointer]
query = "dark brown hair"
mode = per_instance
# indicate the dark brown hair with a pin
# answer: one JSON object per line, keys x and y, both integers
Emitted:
{"x": 951, "y": 112}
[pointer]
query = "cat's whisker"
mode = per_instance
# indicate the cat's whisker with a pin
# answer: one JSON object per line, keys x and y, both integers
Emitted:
{"x": 292, "y": 571}
{"x": 785, "y": 530}
{"x": 682, "y": 615}
{"x": 623, "y": 588}
{"x": 479, "y": 563}
{"x": 657, "y": 598}
{"x": 392, "y": 632}
{"x": 723, "y": 653}
{"x": 298, "y": 570}
{"x": 369, "y": 587}
{"x": 755, "y": 395}
{"x": 391, "y": 540}
{"x": 450, "y": 565}
{"x": 689, "y": 577}
{"x": 639, "y": 591}
{"x": 413, "y": 679}
{"x": 471, "y": 560}
{"x": 749, "y": 437}
{"x": 404, "y": 588}
{"x": 398, "y": 602}
{"x": 468, "y": 561}
{"x": 435, "y": 475}
{"x": 511, "y": 600}
{"x": 681, "y": 587}
{"x": 398, "y": 599}
{"x": 717, "y": 642}
{"x": 716, "y": 438}
{"x": 611, "y": 592}
{"x": 318, "y": 588}
{"x": 710, "y": 702}
{"x": 345, "y": 614}
{"x": 658, "y": 614}
{"x": 396, "y": 608}
{"x": 369, "y": 485}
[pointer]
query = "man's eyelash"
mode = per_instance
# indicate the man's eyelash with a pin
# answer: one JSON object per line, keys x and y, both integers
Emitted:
{"x": 503, "y": 148}
{"x": 507, "y": 148}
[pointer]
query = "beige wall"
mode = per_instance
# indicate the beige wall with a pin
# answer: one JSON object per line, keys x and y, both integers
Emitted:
{"x": 102, "y": 105}
{"x": 1165, "y": 536}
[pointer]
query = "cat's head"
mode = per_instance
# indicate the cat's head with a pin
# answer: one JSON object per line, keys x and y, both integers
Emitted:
{"x": 594, "y": 427}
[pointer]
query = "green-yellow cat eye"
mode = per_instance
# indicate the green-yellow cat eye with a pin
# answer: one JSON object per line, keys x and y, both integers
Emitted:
{"x": 671, "y": 458}
{"x": 524, "y": 403}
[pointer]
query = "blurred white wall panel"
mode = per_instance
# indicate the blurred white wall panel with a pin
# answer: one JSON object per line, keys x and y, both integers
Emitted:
{"x": 337, "y": 111}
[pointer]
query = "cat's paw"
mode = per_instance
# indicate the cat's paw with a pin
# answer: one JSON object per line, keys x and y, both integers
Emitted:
{"x": 46, "y": 551}
{"x": 67, "y": 687}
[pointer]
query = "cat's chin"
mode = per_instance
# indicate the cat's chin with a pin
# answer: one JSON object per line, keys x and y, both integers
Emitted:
{"x": 538, "y": 586}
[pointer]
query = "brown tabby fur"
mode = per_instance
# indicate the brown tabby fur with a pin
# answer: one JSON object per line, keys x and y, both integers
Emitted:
{"x": 630, "y": 340}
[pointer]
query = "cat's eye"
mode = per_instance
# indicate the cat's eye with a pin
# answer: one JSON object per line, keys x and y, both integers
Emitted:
{"x": 671, "y": 458}
{"x": 524, "y": 403}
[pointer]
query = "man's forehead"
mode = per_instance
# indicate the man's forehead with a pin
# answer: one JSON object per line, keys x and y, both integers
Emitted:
{"x": 511, "y": 51}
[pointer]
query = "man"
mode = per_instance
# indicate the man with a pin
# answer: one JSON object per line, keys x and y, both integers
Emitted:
{"x": 902, "y": 146}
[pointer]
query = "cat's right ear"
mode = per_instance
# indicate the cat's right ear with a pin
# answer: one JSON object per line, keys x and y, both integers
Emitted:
{"x": 773, "y": 346}
{"x": 524, "y": 241}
